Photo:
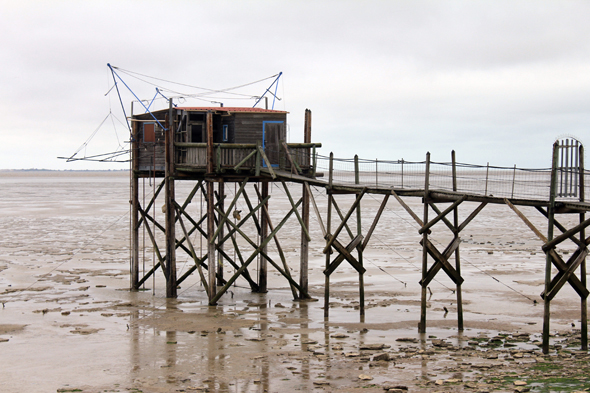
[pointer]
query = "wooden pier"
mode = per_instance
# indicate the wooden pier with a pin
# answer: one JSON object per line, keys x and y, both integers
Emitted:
{"x": 216, "y": 148}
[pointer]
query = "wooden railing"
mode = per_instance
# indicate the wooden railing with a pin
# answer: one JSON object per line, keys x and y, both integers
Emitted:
{"x": 297, "y": 158}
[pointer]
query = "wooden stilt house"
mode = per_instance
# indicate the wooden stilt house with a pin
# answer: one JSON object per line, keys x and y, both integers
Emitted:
{"x": 236, "y": 134}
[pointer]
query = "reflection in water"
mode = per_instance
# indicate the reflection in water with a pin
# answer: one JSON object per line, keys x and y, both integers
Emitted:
{"x": 246, "y": 349}
{"x": 215, "y": 355}
{"x": 303, "y": 315}
{"x": 263, "y": 344}
{"x": 134, "y": 330}
{"x": 424, "y": 363}
{"x": 171, "y": 345}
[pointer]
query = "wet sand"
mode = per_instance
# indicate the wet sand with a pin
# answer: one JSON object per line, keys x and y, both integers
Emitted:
{"x": 69, "y": 323}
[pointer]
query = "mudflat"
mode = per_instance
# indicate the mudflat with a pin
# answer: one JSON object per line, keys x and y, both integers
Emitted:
{"x": 69, "y": 323}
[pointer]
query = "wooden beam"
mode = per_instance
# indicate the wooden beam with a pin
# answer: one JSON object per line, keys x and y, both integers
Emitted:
{"x": 526, "y": 221}
{"x": 268, "y": 164}
{"x": 193, "y": 253}
{"x": 337, "y": 208}
{"x": 375, "y": 221}
{"x": 251, "y": 258}
{"x": 277, "y": 243}
{"x": 223, "y": 216}
{"x": 153, "y": 200}
{"x": 350, "y": 211}
{"x": 245, "y": 219}
{"x": 441, "y": 261}
{"x": 155, "y": 245}
{"x": 301, "y": 222}
{"x": 567, "y": 234}
{"x": 408, "y": 209}
{"x": 440, "y": 216}
{"x": 457, "y": 253}
{"x": 239, "y": 164}
{"x": 345, "y": 254}
{"x": 148, "y": 274}
{"x": 294, "y": 166}
{"x": 251, "y": 208}
{"x": 444, "y": 219}
{"x": 471, "y": 217}
{"x": 315, "y": 207}
{"x": 572, "y": 279}
{"x": 253, "y": 285}
{"x": 580, "y": 243}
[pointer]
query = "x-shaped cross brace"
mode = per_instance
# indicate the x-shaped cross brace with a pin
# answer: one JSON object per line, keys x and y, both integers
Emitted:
{"x": 441, "y": 262}
{"x": 566, "y": 273}
{"x": 345, "y": 253}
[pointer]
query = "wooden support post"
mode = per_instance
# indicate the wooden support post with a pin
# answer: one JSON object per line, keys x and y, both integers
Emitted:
{"x": 210, "y": 147}
{"x": 278, "y": 245}
{"x": 328, "y": 231}
{"x": 584, "y": 311}
{"x": 422, "y": 325}
{"x": 457, "y": 256}
{"x": 359, "y": 249}
{"x": 263, "y": 270}
{"x": 487, "y": 176}
{"x": 221, "y": 203}
{"x": 134, "y": 224}
{"x": 305, "y": 193}
{"x": 170, "y": 214}
{"x": 548, "y": 264}
{"x": 258, "y": 162}
{"x": 210, "y": 210}
{"x": 211, "y": 239}
{"x": 304, "y": 252}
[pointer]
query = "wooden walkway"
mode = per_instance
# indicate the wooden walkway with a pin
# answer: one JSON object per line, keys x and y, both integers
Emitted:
{"x": 566, "y": 189}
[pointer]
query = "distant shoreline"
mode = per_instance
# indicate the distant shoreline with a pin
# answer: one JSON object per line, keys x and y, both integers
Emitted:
{"x": 63, "y": 170}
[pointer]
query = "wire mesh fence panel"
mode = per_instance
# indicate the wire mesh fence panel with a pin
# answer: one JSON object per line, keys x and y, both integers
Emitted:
{"x": 492, "y": 181}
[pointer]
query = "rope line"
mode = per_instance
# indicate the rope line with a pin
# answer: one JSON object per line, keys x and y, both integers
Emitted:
{"x": 207, "y": 90}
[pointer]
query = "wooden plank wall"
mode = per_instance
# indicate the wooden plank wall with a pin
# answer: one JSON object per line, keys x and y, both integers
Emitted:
{"x": 250, "y": 125}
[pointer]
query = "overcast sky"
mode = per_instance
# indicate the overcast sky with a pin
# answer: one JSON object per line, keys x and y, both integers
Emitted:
{"x": 496, "y": 81}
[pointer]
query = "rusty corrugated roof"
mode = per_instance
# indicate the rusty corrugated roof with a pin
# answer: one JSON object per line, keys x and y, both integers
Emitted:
{"x": 229, "y": 109}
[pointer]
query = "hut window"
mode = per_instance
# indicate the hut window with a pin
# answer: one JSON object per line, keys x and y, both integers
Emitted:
{"x": 149, "y": 132}
{"x": 196, "y": 117}
{"x": 225, "y": 133}
{"x": 196, "y": 133}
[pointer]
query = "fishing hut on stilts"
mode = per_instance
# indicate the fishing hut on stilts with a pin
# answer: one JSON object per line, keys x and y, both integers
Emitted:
{"x": 213, "y": 147}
